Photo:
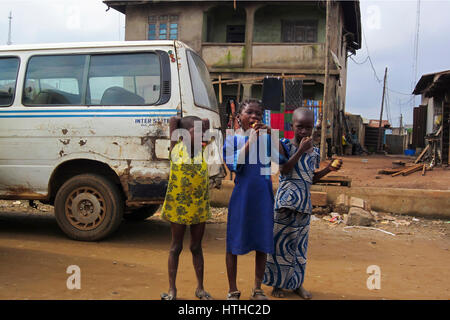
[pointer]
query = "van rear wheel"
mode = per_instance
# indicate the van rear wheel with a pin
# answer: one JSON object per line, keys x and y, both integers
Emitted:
{"x": 88, "y": 207}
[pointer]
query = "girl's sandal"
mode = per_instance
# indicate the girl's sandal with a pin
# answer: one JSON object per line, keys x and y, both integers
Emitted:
{"x": 258, "y": 294}
{"x": 203, "y": 295}
{"x": 166, "y": 296}
{"x": 235, "y": 295}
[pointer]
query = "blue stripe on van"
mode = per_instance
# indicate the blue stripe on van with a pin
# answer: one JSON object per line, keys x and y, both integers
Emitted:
{"x": 87, "y": 110}
{"x": 88, "y": 116}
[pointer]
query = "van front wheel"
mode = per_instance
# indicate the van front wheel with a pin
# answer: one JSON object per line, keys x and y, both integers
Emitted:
{"x": 88, "y": 207}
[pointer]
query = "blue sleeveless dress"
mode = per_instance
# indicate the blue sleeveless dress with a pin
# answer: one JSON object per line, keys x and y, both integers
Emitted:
{"x": 250, "y": 211}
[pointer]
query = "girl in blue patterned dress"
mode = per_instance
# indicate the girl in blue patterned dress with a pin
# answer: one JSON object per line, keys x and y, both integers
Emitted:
{"x": 285, "y": 269}
{"x": 250, "y": 211}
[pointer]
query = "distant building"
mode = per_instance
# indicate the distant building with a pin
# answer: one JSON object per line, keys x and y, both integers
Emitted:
{"x": 372, "y": 131}
{"x": 248, "y": 39}
{"x": 433, "y": 112}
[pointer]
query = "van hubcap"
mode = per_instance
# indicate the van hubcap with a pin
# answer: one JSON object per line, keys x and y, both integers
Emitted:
{"x": 85, "y": 208}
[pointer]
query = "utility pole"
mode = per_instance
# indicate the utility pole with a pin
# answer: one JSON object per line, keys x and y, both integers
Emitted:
{"x": 381, "y": 112}
{"x": 401, "y": 123}
{"x": 323, "y": 131}
{"x": 9, "y": 30}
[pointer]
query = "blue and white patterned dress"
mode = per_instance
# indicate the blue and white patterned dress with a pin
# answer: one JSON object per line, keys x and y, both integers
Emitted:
{"x": 286, "y": 267}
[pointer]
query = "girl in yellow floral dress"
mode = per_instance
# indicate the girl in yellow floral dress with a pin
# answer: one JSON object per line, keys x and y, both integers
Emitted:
{"x": 187, "y": 200}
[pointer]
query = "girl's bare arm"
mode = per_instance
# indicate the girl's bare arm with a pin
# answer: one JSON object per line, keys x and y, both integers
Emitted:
{"x": 173, "y": 125}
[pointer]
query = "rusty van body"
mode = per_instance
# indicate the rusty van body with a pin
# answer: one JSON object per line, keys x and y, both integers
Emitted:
{"x": 84, "y": 127}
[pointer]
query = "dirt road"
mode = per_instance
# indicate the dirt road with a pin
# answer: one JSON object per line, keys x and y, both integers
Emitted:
{"x": 132, "y": 264}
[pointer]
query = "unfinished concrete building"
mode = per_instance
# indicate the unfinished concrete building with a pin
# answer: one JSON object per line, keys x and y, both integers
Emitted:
{"x": 251, "y": 39}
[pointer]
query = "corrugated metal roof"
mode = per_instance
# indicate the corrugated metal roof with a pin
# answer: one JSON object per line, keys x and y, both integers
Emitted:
{"x": 426, "y": 81}
{"x": 376, "y": 123}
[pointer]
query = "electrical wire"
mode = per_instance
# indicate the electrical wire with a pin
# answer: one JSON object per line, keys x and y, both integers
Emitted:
{"x": 365, "y": 60}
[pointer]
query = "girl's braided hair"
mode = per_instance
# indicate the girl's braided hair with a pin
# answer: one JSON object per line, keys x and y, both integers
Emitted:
{"x": 247, "y": 102}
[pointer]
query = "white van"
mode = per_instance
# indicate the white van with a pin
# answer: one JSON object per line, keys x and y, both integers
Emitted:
{"x": 84, "y": 126}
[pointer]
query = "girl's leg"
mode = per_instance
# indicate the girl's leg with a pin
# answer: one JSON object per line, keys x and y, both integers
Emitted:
{"x": 304, "y": 222}
{"x": 303, "y": 293}
{"x": 197, "y": 232}
{"x": 260, "y": 266}
{"x": 231, "y": 261}
{"x": 277, "y": 292}
{"x": 174, "y": 253}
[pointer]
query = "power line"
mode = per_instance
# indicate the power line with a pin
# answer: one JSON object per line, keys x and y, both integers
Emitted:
{"x": 9, "y": 29}
{"x": 416, "y": 48}
{"x": 365, "y": 60}
{"x": 370, "y": 60}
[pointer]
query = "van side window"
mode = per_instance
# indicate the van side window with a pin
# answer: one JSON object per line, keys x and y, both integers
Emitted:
{"x": 124, "y": 79}
{"x": 54, "y": 80}
{"x": 8, "y": 78}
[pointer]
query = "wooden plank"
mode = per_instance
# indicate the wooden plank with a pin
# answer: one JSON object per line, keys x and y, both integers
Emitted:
{"x": 390, "y": 170}
{"x": 255, "y": 79}
{"x": 412, "y": 170}
{"x": 407, "y": 170}
{"x": 342, "y": 180}
{"x": 422, "y": 153}
{"x": 220, "y": 89}
{"x": 424, "y": 169}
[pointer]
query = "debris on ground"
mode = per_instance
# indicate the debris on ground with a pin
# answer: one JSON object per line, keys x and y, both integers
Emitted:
{"x": 359, "y": 217}
{"x": 321, "y": 210}
{"x": 345, "y": 202}
{"x": 370, "y": 228}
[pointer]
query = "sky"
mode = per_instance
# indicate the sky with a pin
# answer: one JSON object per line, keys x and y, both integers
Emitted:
{"x": 389, "y": 28}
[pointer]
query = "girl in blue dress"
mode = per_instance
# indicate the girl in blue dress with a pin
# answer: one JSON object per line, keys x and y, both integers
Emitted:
{"x": 250, "y": 211}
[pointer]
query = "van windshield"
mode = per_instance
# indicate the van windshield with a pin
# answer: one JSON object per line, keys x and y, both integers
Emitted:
{"x": 204, "y": 95}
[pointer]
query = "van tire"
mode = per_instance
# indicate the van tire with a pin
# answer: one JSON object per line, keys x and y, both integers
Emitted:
{"x": 88, "y": 207}
{"x": 142, "y": 213}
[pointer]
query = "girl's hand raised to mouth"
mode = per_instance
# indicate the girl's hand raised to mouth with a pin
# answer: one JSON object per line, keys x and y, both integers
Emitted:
{"x": 257, "y": 126}
{"x": 305, "y": 144}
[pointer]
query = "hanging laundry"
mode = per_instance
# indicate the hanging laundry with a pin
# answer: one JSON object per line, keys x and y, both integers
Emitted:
{"x": 272, "y": 92}
{"x": 294, "y": 94}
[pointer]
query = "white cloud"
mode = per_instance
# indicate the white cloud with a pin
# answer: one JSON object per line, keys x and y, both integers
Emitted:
{"x": 60, "y": 21}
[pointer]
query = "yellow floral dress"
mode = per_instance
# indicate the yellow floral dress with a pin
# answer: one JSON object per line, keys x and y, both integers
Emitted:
{"x": 187, "y": 196}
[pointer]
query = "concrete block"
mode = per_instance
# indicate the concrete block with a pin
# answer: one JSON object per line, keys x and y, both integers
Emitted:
{"x": 342, "y": 204}
{"x": 318, "y": 199}
{"x": 359, "y": 217}
{"x": 359, "y": 203}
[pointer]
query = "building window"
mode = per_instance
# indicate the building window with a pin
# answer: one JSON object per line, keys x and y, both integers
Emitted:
{"x": 236, "y": 34}
{"x": 152, "y": 32}
{"x": 162, "y": 27}
{"x": 299, "y": 31}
